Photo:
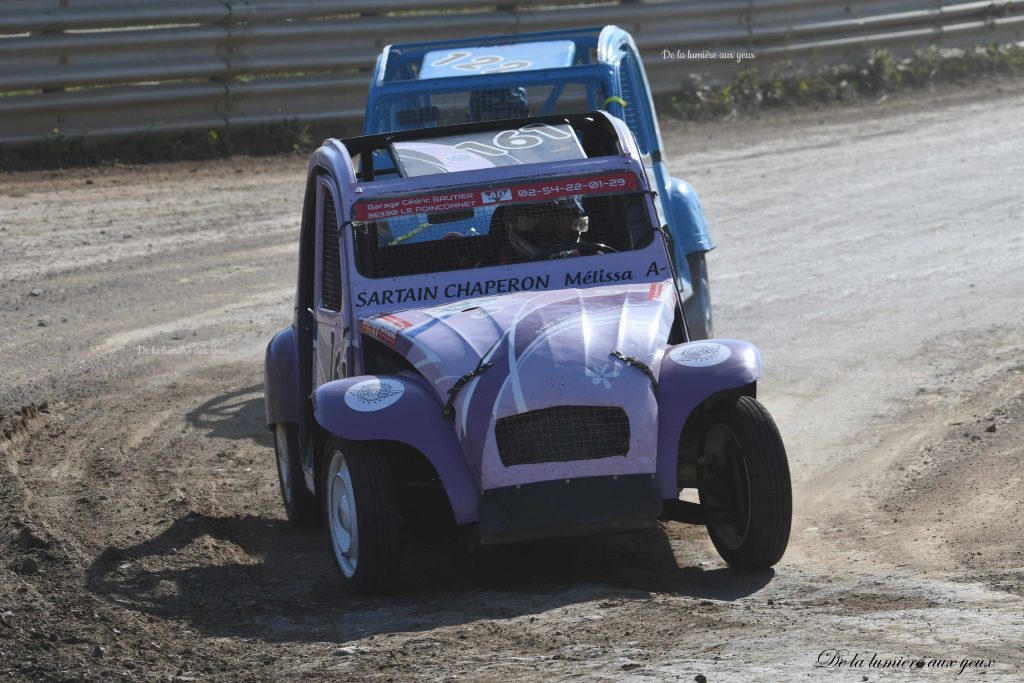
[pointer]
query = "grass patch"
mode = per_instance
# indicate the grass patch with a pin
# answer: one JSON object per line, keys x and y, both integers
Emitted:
{"x": 750, "y": 91}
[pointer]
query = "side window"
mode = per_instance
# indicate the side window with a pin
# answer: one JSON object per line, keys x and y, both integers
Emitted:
{"x": 330, "y": 268}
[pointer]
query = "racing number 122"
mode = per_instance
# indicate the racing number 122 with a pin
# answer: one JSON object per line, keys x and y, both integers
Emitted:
{"x": 479, "y": 63}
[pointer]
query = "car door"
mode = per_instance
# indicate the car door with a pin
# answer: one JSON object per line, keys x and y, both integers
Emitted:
{"x": 333, "y": 333}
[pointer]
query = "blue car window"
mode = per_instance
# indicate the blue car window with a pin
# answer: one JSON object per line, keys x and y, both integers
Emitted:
{"x": 486, "y": 103}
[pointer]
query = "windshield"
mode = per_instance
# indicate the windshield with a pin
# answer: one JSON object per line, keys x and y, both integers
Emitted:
{"x": 466, "y": 228}
{"x": 486, "y": 104}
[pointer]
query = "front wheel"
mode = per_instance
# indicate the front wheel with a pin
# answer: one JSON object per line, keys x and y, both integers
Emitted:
{"x": 361, "y": 515}
{"x": 743, "y": 468}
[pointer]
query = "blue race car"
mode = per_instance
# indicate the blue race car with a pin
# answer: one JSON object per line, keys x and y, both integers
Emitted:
{"x": 422, "y": 85}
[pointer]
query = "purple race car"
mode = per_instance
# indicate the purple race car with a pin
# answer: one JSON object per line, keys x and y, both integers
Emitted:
{"x": 486, "y": 331}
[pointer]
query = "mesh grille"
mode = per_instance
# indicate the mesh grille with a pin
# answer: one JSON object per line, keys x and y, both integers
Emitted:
{"x": 330, "y": 275}
{"x": 562, "y": 434}
{"x": 478, "y": 238}
{"x": 491, "y": 105}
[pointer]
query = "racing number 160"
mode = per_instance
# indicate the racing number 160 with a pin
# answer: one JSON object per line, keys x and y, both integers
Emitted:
{"x": 530, "y": 135}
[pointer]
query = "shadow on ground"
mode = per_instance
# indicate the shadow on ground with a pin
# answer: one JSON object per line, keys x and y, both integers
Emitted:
{"x": 237, "y": 414}
{"x": 256, "y": 577}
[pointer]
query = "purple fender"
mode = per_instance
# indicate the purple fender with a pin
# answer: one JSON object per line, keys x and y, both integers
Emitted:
{"x": 401, "y": 408}
{"x": 690, "y": 373}
{"x": 280, "y": 382}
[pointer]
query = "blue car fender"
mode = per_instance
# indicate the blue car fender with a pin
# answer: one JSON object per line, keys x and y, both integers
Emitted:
{"x": 401, "y": 408}
{"x": 688, "y": 224}
{"x": 691, "y": 373}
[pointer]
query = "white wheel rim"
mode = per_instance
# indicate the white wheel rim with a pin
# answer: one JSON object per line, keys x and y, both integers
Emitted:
{"x": 283, "y": 468}
{"x": 342, "y": 515}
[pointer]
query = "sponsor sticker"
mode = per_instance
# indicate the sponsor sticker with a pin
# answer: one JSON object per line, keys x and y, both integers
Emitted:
{"x": 700, "y": 355}
{"x": 492, "y": 196}
{"x": 373, "y": 394}
{"x": 460, "y": 199}
{"x": 384, "y": 328}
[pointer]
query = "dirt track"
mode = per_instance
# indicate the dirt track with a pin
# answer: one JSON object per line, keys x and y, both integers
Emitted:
{"x": 874, "y": 253}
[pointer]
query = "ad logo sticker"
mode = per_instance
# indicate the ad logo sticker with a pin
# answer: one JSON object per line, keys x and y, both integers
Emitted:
{"x": 700, "y": 355}
{"x": 493, "y": 196}
{"x": 373, "y": 394}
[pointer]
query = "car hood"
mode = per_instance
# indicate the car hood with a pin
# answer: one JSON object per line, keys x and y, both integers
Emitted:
{"x": 544, "y": 349}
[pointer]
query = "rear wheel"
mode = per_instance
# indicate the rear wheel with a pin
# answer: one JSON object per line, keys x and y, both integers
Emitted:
{"x": 698, "y": 306}
{"x": 361, "y": 516}
{"x": 742, "y": 467}
{"x": 299, "y": 504}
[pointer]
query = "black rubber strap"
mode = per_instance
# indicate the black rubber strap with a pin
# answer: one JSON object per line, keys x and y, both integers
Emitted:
{"x": 639, "y": 365}
{"x": 453, "y": 391}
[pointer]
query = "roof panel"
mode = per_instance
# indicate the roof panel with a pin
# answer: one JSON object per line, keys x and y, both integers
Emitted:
{"x": 492, "y": 59}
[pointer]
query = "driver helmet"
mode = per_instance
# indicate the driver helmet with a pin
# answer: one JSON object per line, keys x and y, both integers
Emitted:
{"x": 537, "y": 229}
{"x": 491, "y": 105}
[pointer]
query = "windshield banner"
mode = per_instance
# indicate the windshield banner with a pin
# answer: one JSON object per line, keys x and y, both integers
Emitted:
{"x": 466, "y": 198}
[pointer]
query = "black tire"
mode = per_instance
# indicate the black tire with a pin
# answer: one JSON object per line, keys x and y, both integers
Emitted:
{"x": 698, "y": 307}
{"x": 743, "y": 466}
{"x": 373, "y": 530}
{"x": 299, "y": 504}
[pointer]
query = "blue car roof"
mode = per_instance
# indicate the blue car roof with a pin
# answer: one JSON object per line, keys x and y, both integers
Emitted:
{"x": 562, "y": 49}
{"x": 579, "y": 36}
{"x": 493, "y": 59}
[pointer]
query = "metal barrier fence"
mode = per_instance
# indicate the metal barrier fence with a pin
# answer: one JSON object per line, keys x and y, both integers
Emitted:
{"x": 105, "y": 68}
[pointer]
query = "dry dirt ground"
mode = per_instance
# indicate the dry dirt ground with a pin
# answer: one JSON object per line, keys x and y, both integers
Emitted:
{"x": 874, "y": 253}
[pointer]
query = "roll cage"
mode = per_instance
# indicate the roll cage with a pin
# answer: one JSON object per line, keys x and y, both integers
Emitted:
{"x": 373, "y": 156}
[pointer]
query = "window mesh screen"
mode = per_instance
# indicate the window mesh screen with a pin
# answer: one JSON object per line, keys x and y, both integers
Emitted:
{"x": 330, "y": 273}
{"x": 481, "y": 237}
{"x": 561, "y": 434}
{"x": 491, "y": 105}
